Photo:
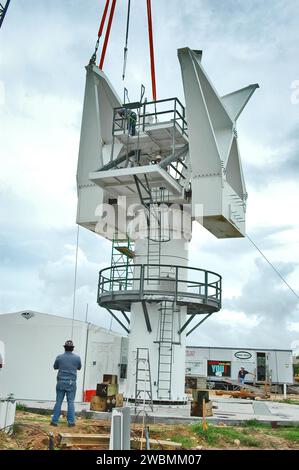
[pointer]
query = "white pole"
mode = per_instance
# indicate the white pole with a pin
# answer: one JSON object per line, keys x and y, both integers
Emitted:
{"x": 285, "y": 391}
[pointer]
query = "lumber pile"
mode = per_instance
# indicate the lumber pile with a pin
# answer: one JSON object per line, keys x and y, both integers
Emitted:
{"x": 101, "y": 442}
{"x": 107, "y": 396}
{"x": 68, "y": 440}
{"x": 242, "y": 393}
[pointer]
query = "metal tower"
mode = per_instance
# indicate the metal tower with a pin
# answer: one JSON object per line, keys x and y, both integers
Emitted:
{"x": 3, "y": 11}
{"x": 148, "y": 180}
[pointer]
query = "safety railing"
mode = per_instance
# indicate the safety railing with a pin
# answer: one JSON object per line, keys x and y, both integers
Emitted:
{"x": 178, "y": 281}
{"x": 149, "y": 113}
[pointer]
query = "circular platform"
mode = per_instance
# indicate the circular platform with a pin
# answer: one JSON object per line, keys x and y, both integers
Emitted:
{"x": 197, "y": 289}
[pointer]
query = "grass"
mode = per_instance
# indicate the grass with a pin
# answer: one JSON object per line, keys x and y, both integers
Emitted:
{"x": 290, "y": 434}
{"x": 284, "y": 432}
{"x": 215, "y": 434}
{"x": 186, "y": 441}
{"x": 35, "y": 418}
{"x": 254, "y": 423}
{"x": 20, "y": 407}
{"x": 289, "y": 401}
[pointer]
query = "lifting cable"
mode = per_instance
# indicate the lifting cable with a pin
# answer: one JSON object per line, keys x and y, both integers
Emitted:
{"x": 75, "y": 272}
{"x": 100, "y": 32}
{"x": 75, "y": 282}
{"x": 151, "y": 44}
{"x": 107, "y": 34}
{"x": 273, "y": 267}
{"x": 126, "y": 41}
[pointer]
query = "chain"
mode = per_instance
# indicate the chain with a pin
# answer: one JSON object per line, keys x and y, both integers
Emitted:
{"x": 94, "y": 55}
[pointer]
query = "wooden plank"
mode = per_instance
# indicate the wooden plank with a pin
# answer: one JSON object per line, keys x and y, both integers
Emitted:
{"x": 81, "y": 440}
{"x": 69, "y": 440}
{"x": 240, "y": 393}
{"x": 155, "y": 442}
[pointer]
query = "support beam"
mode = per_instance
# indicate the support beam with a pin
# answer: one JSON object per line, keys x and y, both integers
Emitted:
{"x": 146, "y": 316}
{"x": 3, "y": 11}
{"x": 117, "y": 319}
{"x": 173, "y": 157}
{"x": 113, "y": 163}
{"x": 197, "y": 325}
{"x": 126, "y": 316}
{"x": 186, "y": 323}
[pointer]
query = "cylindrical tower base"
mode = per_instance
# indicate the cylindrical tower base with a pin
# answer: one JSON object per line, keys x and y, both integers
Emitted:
{"x": 165, "y": 345}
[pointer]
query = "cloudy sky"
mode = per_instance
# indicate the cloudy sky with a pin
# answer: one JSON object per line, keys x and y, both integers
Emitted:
{"x": 44, "y": 46}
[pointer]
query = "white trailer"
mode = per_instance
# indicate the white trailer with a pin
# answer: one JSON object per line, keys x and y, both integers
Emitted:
{"x": 219, "y": 363}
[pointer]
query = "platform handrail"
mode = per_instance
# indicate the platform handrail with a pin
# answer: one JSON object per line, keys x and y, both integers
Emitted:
{"x": 139, "y": 281}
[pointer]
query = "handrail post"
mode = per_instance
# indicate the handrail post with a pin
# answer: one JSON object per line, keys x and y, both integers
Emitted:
{"x": 99, "y": 285}
{"x": 206, "y": 287}
{"x": 220, "y": 296}
{"x": 143, "y": 117}
{"x": 113, "y": 135}
{"x": 141, "y": 286}
{"x": 174, "y": 128}
{"x": 176, "y": 283}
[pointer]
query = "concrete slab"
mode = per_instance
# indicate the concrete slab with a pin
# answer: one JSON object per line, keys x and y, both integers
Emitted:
{"x": 49, "y": 405}
{"x": 228, "y": 410}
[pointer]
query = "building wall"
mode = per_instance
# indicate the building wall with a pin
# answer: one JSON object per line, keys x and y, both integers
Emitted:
{"x": 103, "y": 355}
{"x": 31, "y": 346}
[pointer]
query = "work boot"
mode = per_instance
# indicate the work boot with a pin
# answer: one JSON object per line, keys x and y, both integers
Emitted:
{"x": 71, "y": 425}
{"x": 53, "y": 424}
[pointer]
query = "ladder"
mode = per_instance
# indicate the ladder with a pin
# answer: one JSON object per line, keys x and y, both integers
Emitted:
{"x": 143, "y": 383}
{"x": 158, "y": 233}
{"x": 154, "y": 247}
{"x": 166, "y": 342}
{"x": 121, "y": 263}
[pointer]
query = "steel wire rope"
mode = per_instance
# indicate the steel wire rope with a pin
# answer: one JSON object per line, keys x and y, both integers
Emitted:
{"x": 273, "y": 267}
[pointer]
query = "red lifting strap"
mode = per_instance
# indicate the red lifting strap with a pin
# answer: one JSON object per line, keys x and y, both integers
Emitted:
{"x": 103, "y": 19}
{"x": 107, "y": 34}
{"x": 151, "y": 44}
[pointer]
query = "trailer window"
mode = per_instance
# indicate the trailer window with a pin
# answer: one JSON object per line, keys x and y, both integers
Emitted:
{"x": 219, "y": 368}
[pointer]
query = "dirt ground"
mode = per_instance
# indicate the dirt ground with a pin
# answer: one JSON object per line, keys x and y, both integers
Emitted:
{"x": 32, "y": 430}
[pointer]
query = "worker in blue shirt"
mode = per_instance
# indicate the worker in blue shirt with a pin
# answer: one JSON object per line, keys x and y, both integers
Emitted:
{"x": 131, "y": 118}
{"x": 242, "y": 374}
{"x": 67, "y": 365}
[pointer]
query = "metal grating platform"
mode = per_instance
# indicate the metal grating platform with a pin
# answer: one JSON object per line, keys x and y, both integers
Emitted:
{"x": 121, "y": 181}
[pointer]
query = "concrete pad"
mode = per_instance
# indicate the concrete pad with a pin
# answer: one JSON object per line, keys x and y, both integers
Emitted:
{"x": 49, "y": 405}
{"x": 228, "y": 410}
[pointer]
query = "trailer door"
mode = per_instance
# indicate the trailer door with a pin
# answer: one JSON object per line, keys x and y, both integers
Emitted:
{"x": 261, "y": 366}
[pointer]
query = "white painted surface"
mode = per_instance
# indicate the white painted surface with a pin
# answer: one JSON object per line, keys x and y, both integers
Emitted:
{"x": 7, "y": 414}
{"x": 95, "y": 142}
{"x": 217, "y": 177}
{"x": 33, "y": 344}
{"x": 278, "y": 362}
{"x": 172, "y": 252}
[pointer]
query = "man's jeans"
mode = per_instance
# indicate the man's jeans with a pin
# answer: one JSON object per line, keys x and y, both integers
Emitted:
{"x": 65, "y": 387}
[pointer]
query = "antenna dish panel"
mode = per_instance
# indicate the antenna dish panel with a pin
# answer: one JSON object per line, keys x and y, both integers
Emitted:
{"x": 100, "y": 99}
{"x": 218, "y": 188}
